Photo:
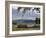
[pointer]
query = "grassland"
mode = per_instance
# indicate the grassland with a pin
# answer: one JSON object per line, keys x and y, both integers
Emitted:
{"x": 14, "y": 28}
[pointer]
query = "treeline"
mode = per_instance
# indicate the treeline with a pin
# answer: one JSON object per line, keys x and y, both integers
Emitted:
{"x": 37, "y": 21}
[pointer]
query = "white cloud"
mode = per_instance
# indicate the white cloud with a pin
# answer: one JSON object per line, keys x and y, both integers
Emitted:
{"x": 28, "y": 15}
{"x": 14, "y": 7}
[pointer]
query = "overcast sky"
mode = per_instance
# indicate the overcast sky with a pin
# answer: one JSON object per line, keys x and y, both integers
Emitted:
{"x": 28, "y": 15}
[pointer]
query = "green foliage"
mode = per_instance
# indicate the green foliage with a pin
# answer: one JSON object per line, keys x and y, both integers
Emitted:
{"x": 37, "y": 21}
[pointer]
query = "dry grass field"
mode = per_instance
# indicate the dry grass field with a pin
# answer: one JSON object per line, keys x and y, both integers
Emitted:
{"x": 16, "y": 28}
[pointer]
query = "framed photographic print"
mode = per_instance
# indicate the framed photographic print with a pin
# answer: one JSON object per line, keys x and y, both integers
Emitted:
{"x": 24, "y": 18}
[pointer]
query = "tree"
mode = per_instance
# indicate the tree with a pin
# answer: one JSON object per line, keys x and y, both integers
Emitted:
{"x": 37, "y": 21}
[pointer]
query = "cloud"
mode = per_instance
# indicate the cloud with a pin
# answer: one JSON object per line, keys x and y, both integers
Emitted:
{"x": 14, "y": 7}
{"x": 28, "y": 15}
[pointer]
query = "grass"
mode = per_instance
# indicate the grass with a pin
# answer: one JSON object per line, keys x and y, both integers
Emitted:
{"x": 18, "y": 29}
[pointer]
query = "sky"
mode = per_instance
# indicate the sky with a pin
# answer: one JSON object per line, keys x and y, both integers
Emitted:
{"x": 28, "y": 15}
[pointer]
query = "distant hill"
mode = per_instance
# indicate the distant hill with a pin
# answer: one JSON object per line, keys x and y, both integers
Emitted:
{"x": 23, "y": 21}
